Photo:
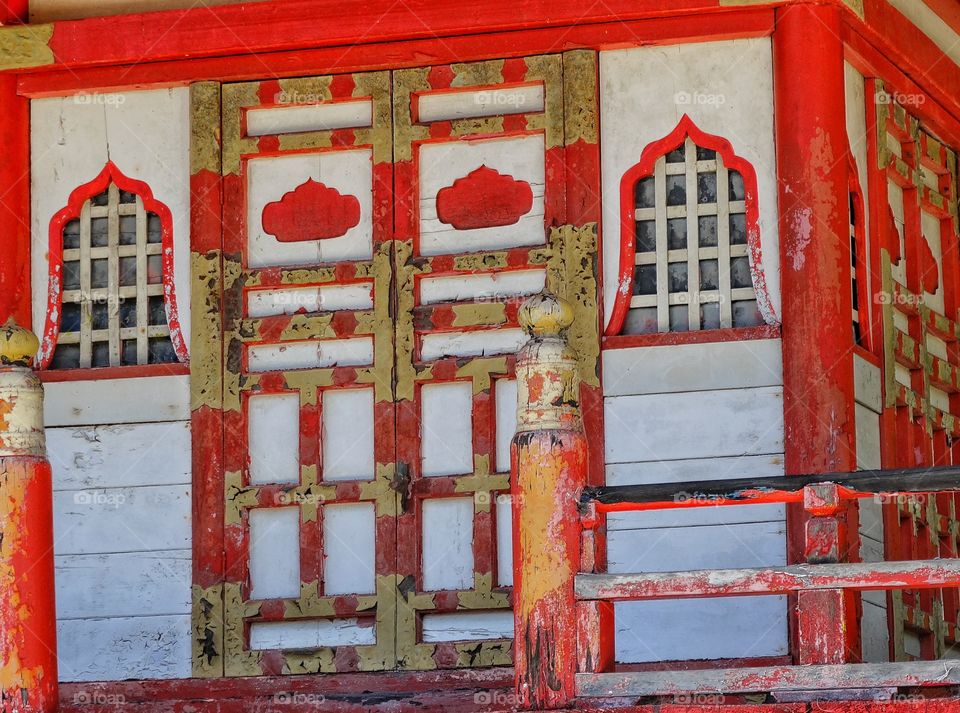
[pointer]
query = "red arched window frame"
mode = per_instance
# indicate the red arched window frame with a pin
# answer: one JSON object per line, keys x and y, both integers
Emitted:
{"x": 685, "y": 128}
{"x": 109, "y": 174}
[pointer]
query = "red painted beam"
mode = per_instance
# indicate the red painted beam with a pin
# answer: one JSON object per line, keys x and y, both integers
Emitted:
{"x": 14, "y": 204}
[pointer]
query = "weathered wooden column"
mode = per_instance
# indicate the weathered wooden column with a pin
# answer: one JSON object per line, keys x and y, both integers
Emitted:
{"x": 28, "y": 617}
{"x": 549, "y": 465}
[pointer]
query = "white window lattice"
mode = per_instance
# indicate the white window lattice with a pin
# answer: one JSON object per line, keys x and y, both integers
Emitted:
{"x": 112, "y": 305}
{"x": 692, "y": 264}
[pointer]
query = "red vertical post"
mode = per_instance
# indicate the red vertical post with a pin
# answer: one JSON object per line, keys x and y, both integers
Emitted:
{"x": 549, "y": 467}
{"x": 14, "y": 202}
{"x": 28, "y": 616}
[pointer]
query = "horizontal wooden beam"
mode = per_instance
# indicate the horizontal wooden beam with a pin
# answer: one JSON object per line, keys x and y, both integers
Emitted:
{"x": 741, "y": 491}
{"x": 635, "y": 684}
{"x": 860, "y": 576}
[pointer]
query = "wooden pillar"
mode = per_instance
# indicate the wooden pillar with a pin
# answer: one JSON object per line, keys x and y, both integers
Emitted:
{"x": 28, "y": 616}
{"x": 549, "y": 466}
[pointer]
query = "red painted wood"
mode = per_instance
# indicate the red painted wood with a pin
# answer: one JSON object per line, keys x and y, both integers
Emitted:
{"x": 312, "y": 211}
{"x": 484, "y": 198}
{"x": 13, "y": 12}
{"x": 704, "y": 336}
{"x": 114, "y": 372}
{"x": 14, "y": 205}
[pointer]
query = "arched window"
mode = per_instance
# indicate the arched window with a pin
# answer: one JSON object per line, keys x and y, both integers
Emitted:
{"x": 111, "y": 298}
{"x": 689, "y": 239}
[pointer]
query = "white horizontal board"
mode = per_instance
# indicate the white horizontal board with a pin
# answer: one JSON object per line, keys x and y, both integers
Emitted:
{"x": 481, "y": 342}
{"x": 143, "y": 519}
{"x": 119, "y": 456}
{"x": 505, "y": 397}
{"x": 447, "y": 552}
{"x": 348, "y": 434}
{"x": 124, "y": 648}
{"x": 293, "y": 118}
{"x": 274, "y": 552}
{"x": 111, "y": 401}
{"x": 460, "y": 104}
{"x": 310, "y": 634}
{"x": 467, "y": 626}
{"x": 273, "y": 437}
{"x": 867, "y": 384}
{"x": 692, "y": 367}
{"x": 321, "y": 298}
{"x": 313, "y": 354}
{"x": 123, "y": 584}
{"x": 693, "y": 425}
{"x": 482, "y": 286}
{"x": 349, "y": 549}
{"x": 446, "y": 428}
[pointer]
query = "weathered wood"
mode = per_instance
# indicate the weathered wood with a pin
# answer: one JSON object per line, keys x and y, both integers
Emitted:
{"x": 862, "y": 576}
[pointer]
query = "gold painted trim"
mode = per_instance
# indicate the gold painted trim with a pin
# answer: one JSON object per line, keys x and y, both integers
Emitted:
{"x": 26, "y": 46}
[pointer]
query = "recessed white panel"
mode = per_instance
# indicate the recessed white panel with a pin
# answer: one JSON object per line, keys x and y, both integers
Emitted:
{"x": 274, "y": 553}
{"x": 481, "y": 342}
{"x": 273, "y": 438}
{"x": 322, "y": 298}
{"x": 349, "y": 549}
{"x": 294, "y": 118}
{"x": 504, "y": 515}
{"x": 505, "y": 398}
{"x": 444, "y": 106}
{"x": 310, "y": 634}
{"x": 347, "y": 437}
{"x": 313, "y": 354}
{"x": 447, "y": 553}
{"x": 446, "y": 428}
{"x": 484, "y": 286}
{"x": 467, "y": 626}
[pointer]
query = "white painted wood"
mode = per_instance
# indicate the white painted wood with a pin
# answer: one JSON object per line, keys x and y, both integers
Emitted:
{"x": 145, "y": 133}
{"x": 123, "y": 584}
{"x": 313, "y": 354}
{"x": 868, "y": 438}
{"x": 119, "y": 456}
{"x": 446, "y": 428}
{"x": 661, "y": 84}
{"x": 441, "y": 163}
{"x": 692, "y": 367}
{"x": 856, "y": 117}
{"x": 109, "y": 401}
{"x": 293, "y": 118}
{"x": 322, "y": 298}
{"x": 348, "y": 433}
{"x": 481, "y": 342}
{"x": 348, "y": 171}
{"x": 875, "y": 636}
{"x": 447, "y": 545}
{"x": 694, "y": 425}
{"x": 274, "y": 552}
{"x": 489, "y": 286}
{"x": 460, "y": 104}
{"x": 273, "y": 438}
{"x": 349, "y": 548}
{"x": 310, "y": 634}
{"x": 97, "y": 520}
{"x": 930, "y": 228}
{"x": 467, "y": 626}
{"x": 124, "y": 648}
{"x": 505, "y": 402}
{"x": 867, "y": 384}
{"x": 504, "y": 515}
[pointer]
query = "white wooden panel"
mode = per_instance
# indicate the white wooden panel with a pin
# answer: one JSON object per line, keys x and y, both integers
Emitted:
{"x": 694, "y": 425}
{"x": 447, "y": 552}
{"x": 124, "y": 648}
{"x": 143, "y": 519}
{"x": 347, "y": 439}
{"x": 322, "y": 298}
{"x": 467, "y": 626}
{"x": 504, "y": 515}
{"x": 109, "y": 401}
{"x": 444, "y": 106}
{"x": 505, "y": 399}
{"x": 930, "y": 228}
{"x": 314, "y": 354}
{"x": 483, "y": 286}
{"x": 119, "y": 456}
{"x": 875, "y": 633}
{"x": 735, "y": 105}
{"x": 868, "y": 438}
{"x": 482, "y": 342}
{"x": 310, "y": 634}
{"x": 443, "y": 163}
{"x": 446, "y": 428}
{"x": 871, "y": 522}
{"x": 692, "y": 367}
{"x": 349, "y": 549}
{"x": 856, "y": 116}
{"x": 123, "y": 584}
{"x": 866, "y": 384}
{"x": 294, "y": 118}
{"x": 350, "y": 172}
{"x": 274, "y": 552}
{"x": 273, "y": 432}
{"x": 146, "y": 133}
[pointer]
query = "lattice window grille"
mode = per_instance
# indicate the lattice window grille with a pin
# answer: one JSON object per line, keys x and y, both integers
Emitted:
{"x": 854, "y": 277}
{"x": 113, "y": 311}
{"x": 692, "y": 264}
